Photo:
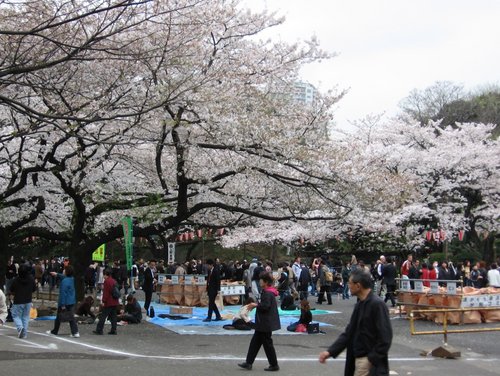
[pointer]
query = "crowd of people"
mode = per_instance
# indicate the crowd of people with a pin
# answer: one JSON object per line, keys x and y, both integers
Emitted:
{"x": 295, "y": 282}
{"x": 290, "y": 283}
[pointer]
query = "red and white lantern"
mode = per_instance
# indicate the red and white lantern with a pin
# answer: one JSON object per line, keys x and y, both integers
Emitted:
{"x": 428, "y": 235}
{"x": 442, "y": 235}
{"x": 461, "y": 235}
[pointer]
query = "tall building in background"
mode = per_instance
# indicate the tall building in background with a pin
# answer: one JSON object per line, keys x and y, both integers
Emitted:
{"x": 304, "y": 92}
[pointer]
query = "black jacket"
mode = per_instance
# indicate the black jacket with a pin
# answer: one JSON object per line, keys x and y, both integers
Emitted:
{"x": 148, "y": 280}
{"x": 369, "y": 333}
{"x": 305, "y": 317}
{"x": 23, "y": 287}
{"x": 267, "y": 318}
{"x": 305, "y": 279}
{"x": 389, "y": 274}
{"x": 213, "y": 281}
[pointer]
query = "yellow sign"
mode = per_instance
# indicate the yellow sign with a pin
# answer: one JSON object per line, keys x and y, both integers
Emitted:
{"x": 98, "y": 255}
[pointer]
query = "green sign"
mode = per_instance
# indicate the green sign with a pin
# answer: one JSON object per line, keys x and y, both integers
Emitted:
{"x": 99, "y": 253}
{"x": 127, "y": 233}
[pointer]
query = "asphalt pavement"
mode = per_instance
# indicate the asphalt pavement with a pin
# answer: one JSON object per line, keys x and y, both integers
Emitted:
{"x": 153, "y": 350}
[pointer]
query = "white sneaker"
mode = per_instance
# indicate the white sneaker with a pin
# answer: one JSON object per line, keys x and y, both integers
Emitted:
{"x": 76, "y": 335}
{"x": 49, "y": 332}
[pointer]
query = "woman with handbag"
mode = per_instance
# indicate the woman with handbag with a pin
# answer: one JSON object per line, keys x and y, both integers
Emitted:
{"x": 66, "y": 302}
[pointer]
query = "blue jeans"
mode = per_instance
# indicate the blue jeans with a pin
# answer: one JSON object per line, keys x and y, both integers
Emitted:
{"x": 21, "y": 317}
{"x": 345, "y": 294}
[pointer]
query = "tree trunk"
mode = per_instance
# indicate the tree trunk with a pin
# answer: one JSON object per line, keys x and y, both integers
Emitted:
{"x": 80, "y": 257}
{"x": 4, "y": 255}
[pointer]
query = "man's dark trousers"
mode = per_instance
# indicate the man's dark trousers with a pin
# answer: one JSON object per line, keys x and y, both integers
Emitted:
{"x": 212, "y": 307}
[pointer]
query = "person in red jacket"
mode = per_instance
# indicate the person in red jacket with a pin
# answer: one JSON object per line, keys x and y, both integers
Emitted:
{"x": 109, "y": 303}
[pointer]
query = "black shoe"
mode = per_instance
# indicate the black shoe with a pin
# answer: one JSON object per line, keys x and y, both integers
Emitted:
{"x": 207, "y": 320}
{"x": 219, "y": 319}
{"x": 272, "y": 368}
{"x": 112, "y": 332}
{"x": 245, "y": 366}
{"x": 96, "y": 332}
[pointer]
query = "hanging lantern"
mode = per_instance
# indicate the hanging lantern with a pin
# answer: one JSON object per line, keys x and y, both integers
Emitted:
{"x": 178, "y": 238}
{"x": 442, "y": 235}
{"x": 428, "y": 235}
{"x": 220, "y": 231}
{"x": 191, "y": 235}
{"x": 461, "y": 235}
{"x": 199, "y": 233}
{"x": 437, "y": 236}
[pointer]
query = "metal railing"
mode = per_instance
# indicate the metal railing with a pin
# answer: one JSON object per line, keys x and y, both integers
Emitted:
{"x": 445, "y": 330}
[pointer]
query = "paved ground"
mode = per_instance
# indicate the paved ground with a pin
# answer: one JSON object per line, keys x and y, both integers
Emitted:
{"x": 150, "y": 349}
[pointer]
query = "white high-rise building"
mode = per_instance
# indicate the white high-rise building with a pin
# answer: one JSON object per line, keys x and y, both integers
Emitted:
{"x": 304, "y": 92}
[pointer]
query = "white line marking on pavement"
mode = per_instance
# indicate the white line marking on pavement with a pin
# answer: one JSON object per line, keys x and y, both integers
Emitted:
{"x": 50, "y": 346}
{"x": 233, "y": 358}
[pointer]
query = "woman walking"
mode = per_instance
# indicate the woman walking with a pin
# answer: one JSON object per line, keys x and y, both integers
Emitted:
{"x": 66, "y": 302}
{"x": 266, "y": 321}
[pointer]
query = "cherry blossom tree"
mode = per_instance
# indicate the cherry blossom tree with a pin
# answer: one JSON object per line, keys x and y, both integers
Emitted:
{"x": 452, "y": 176}
{"x": 174, "y": 113}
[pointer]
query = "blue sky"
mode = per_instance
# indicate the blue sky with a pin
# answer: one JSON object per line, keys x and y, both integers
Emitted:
{"x": 389, "y": 47}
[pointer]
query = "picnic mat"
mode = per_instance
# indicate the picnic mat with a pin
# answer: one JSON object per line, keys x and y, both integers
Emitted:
{"x": 193, "y": 324}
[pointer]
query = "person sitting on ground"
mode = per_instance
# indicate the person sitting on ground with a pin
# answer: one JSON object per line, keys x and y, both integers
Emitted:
{"x": 304, "y": 320}
{"x": 131, "y": 313}
{"x": 283, "y": 285}
{"x": 85, "y": 308}
{"x": 241, "y": 320}
{"x": 287, "y": 303}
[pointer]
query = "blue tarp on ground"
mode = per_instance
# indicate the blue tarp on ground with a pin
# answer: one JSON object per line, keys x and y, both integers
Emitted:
{"x": 193, "y": 324}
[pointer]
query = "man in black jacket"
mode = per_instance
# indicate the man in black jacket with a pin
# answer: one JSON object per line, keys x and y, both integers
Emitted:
{"x": 389, "y": 274}
{"x": 267, "y": 320}
{"x": 149, "y": 282}
{"x": 368, "y": 336}
{"x": 213, "y": 288}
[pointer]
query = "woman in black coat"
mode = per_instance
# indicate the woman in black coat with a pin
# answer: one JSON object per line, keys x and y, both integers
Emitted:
{"x": 267, "y": 320}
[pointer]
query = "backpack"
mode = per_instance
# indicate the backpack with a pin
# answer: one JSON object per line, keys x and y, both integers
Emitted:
{"x": 328, "y": 276}
{"x": 115, "y": 292}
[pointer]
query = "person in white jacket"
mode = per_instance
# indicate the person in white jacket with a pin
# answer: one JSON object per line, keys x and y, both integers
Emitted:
{"x": 494, "y": 276}
{"x": 3, "y": 308}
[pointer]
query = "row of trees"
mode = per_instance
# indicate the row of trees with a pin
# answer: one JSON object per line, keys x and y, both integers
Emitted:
{"x": 177, "y": 114}
{"x": 172, "y": 112}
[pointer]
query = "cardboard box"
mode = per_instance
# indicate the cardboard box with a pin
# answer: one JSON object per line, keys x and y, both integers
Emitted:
{"x": 181, "y": 310}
